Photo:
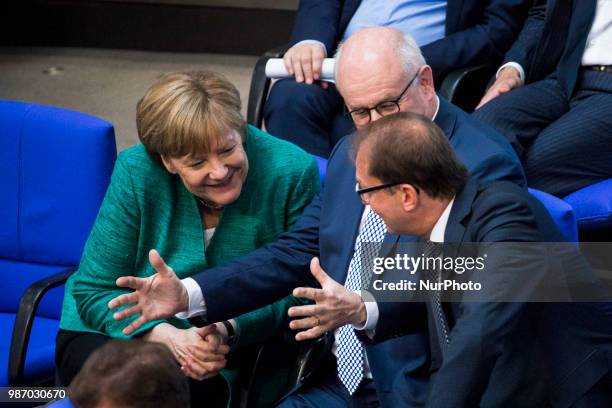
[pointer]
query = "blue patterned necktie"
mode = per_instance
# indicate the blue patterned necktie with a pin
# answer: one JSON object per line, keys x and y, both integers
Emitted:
{"x": 350, "y": 349}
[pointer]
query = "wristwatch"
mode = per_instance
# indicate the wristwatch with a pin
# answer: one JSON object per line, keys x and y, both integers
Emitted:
{"x": 231, "y": 333}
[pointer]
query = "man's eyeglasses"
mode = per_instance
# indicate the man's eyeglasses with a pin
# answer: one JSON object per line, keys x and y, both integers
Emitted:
{"x": 363, "y": 193}
{"x": 363, "y": 116}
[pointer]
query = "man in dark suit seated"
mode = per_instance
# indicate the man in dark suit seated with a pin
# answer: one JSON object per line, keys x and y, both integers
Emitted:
{"x": 380, "y": 72}
{"x": 562, "y": 116}
{"x": 452, "y": 34}
{"x": 503, "y": 342}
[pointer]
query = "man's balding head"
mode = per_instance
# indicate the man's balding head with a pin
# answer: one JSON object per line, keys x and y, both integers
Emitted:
{"x": 375, "y": 64}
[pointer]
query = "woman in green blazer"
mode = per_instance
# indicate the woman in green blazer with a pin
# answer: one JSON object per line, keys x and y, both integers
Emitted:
{"x": 202, "y": 188}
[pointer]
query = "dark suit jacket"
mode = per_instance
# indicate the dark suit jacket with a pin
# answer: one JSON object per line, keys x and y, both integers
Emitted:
{"x": 510, "y": 353}
{"x": 553, "y": 40}
{"x": 328, "y": 229}
{"x": 477, "y": 31}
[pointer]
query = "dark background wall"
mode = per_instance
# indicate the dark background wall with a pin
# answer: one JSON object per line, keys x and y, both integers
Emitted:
{"x": 216, "y": 26}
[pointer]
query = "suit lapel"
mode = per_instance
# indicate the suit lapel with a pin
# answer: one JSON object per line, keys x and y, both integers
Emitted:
{"x": 462, "y": 207}
{"x": 352, "y": 210}
{"x": 583, "y": 14}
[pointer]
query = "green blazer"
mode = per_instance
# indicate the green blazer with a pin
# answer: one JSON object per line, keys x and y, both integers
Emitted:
{"x": 146, "y": 207}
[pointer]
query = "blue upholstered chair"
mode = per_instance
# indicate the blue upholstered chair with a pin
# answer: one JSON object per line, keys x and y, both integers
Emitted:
{"x": 55, "y": 166}
{"x": 561, "y": 212}
{"x": 593, "y": 206}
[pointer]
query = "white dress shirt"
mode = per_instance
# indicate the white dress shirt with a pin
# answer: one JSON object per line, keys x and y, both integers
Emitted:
{"x": 436, "y": 235}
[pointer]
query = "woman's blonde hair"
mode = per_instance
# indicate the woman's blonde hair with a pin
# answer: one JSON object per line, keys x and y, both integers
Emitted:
{"x": 188, "y": 113}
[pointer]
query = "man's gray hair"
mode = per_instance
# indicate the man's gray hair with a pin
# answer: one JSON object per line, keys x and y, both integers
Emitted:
{"x": 407, "y": 52}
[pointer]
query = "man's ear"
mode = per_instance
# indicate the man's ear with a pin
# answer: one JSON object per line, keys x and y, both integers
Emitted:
{"x": 426, "y": 79}
{"x": 169, "y": 165}
{"x": 410, "y": 197}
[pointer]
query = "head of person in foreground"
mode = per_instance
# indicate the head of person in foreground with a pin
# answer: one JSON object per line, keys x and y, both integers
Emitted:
{"x": 130, "y": 374}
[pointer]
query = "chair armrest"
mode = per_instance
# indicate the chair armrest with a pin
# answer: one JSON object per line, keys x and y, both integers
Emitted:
{"x": 277, "y": 52}
{"x": 309, "y": 357}
{"x": 465, "y": 87}
{"x": 24, "y": 320}
{"x": 260, "y": 85}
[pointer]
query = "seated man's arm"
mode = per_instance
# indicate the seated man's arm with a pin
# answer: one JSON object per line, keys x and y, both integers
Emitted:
{"x": 265, "y": 275}
{"x": 485, "y": 41}
{"x": 314, "y": 35}
{"x": 517, "y": 61}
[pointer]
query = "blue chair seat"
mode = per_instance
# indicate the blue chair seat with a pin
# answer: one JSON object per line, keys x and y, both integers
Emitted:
{"x": 561, "y": 212}
{"x": 41, "y": 351}
{"x": 593, "y": 206}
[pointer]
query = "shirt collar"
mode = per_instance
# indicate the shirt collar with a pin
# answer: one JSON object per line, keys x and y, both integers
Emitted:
{"x": 437, "y": 108}
{"x": 438, "y": 231}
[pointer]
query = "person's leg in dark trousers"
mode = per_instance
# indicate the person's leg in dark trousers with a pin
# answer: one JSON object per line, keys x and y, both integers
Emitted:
{"x": 72, "y": 349}
{"x": 324, "y": 390}
{"x": 567, "y": 143}
{"x": 520, "y": 115}
{"x": 306, "y": 115}
{"x": 575, "y": 151}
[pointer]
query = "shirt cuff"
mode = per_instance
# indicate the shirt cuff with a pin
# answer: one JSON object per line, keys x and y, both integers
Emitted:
{"x": 515, "y": 65}
{"x": 197, "y": 306}
{"x": 371, "y": 314}
{"x": 314, "y": 42}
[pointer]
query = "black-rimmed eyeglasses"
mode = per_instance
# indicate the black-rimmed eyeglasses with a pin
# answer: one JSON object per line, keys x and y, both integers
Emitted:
{"x": 361, "y": 191}
{"x": 362, "y": 116}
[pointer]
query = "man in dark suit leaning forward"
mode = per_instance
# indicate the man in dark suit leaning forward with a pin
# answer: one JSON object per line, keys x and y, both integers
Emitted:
{"x": 506, "y": 342}
{"x": 380, "y": 72}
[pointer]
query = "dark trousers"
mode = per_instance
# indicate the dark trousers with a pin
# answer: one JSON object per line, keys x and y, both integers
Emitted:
{"x": 307, "y": 115}
{"x": 324, "y": 390}
{"x": 73, "y": 348}
{"x": 566, "y": 141}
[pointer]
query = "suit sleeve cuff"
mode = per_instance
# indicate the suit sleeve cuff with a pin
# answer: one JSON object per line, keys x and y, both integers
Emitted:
{"x": 371, "y": 314}
{"x": 516, "y": 66}
{"x": 197, "y": 306}
{"x": 313, "y": 42}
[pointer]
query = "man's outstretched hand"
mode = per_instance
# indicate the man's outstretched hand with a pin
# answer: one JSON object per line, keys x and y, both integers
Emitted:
{"x": 157, "y": 297}
{"x": 334, "y": 306}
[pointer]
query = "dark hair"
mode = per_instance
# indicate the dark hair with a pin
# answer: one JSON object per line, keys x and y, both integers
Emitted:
{"x": 130, "y": 373}
{"x": 409, "y": 148}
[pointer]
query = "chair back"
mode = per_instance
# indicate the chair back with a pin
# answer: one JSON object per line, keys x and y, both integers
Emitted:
{"x": 55, "y": 166}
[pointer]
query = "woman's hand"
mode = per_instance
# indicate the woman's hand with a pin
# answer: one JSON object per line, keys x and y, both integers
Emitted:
{"x": 200, "y": 351}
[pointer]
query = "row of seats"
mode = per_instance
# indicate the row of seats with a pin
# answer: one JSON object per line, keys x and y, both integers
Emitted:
{"x": 55, "y": 165}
